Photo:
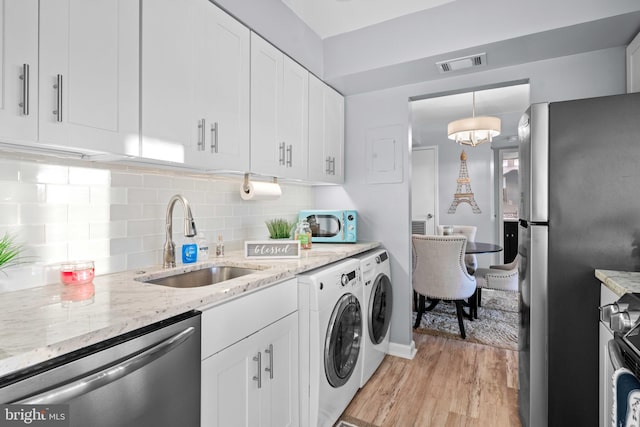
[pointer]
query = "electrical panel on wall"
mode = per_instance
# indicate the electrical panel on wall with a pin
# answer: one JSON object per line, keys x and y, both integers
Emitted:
{"x": 383, "y": 154}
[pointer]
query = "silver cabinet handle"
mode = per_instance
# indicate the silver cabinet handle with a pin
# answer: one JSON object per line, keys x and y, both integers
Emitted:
{"x": 258, "y": 377}
{"x": 290, "y": 156}
{"x": 214, "y": 137}
{"x": 201, "y": 132}
{"x": 333, "y": 166}
{"x": 281, "y": 153}
{"x": 58, "y": 87}
{"x": 269, "y": 351}
{"x": 25, "y": 89}
{"x": 108, "y": 374}
{"x": 327, "y": 168}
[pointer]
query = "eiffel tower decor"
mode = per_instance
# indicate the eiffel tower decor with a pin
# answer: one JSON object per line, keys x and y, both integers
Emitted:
{"x": 463, "y": 191}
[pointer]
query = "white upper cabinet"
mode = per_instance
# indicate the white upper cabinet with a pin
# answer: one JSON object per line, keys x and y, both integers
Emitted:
{"x": 326, "y": 133}
{"x": 279, "y": 113}
{"x": 195, "y": 85}
{"x": 223, "y": 67}
{"x": 18, "y": 70}
{"x": 89, "y": 74}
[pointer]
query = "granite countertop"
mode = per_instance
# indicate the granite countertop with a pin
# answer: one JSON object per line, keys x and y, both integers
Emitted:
{"x": 45, "y": 322}
{"x": 620, "y": 282}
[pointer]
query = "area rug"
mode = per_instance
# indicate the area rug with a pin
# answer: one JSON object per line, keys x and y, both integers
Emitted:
{"x": 496, "y": 325}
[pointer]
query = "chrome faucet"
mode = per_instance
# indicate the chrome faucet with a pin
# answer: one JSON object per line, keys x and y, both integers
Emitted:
{"x": 169, "y": 253}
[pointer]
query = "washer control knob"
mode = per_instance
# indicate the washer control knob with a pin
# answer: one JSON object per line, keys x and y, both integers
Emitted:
{"x": 344, "y": 280}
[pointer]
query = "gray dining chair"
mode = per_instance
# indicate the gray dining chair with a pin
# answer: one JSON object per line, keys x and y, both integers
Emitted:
{"x": 502, "y": 277}
{"x": 470, "y": 232}
{"x": 440, "y": 273}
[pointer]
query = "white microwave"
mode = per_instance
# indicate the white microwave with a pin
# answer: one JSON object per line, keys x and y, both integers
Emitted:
{"x": 331, "y": 226}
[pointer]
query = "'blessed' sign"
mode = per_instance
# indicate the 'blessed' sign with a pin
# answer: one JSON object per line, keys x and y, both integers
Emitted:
{"x": 272, "y": 249}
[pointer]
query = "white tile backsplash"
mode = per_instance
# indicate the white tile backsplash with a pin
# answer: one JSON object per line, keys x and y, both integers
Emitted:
{"x": 115, "y": 214}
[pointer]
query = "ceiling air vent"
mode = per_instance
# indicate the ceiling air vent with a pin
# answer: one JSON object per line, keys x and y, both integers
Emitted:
{"x": 456, "y": 64}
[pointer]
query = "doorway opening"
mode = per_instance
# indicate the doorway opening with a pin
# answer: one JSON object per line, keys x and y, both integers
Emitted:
{"x": 508, "y": 201}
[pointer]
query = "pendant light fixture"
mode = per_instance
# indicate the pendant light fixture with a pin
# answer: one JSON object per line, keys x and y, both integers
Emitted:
{"x": 474, "y": 130}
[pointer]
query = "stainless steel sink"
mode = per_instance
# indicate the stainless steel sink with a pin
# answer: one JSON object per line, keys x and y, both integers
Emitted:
{"x": 203, "y": 277}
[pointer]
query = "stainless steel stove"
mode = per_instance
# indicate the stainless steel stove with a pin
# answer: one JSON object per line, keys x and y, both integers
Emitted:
{"x": 623, "y": 317}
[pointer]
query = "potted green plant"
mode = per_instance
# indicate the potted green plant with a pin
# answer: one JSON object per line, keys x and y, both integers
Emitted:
{"x": 9, "y": 251}
{"x": 279, "y": 228}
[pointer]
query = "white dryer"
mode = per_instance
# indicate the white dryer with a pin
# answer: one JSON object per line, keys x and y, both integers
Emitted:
{"x": 330, "y": 339}
{"x": 378, "y": 303}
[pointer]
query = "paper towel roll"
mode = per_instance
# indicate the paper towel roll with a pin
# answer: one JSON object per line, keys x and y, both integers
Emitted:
{"x": 260, "y": 191}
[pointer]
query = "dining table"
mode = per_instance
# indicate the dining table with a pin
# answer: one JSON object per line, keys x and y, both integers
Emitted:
{"x": 474, "y": 248}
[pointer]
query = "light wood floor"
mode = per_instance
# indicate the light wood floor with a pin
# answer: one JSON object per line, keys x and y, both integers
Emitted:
{"x": 448, "y": 383}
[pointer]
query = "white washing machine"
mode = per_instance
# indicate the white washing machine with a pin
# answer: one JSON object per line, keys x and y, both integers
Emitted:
{"x": 377, "y": 303}
{"x": 330, "y": 339}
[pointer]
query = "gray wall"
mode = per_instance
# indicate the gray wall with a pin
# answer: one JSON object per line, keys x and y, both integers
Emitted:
{"x": 404, "y": 50}
{"x": 385, "y": 209}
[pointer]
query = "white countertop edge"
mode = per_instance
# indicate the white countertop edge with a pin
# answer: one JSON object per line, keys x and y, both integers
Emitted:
{"x": 620, "y": 282}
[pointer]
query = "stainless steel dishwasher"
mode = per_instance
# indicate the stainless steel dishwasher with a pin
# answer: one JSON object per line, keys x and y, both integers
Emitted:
{"x": 147, "y": 377}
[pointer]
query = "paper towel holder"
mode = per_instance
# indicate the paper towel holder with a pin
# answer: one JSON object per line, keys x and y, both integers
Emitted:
{"x": 245, "y": 182}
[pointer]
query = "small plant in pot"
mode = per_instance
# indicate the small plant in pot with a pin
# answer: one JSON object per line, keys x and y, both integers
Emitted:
{"x": 279, "y": 228}
{"x": 9, "y": 251}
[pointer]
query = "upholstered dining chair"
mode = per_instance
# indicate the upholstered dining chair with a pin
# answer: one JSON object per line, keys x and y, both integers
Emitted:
{"x": 503, "y": 277}
{"x": 470, "y": 232}
{"x": 439, "y": 273}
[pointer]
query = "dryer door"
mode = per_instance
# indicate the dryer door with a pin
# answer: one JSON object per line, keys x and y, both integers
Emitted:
{"x": 342, "y": 343}
{"x": 379, "y": 311}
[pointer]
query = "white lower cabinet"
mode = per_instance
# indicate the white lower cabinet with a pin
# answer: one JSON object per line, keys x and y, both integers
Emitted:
{"x": 253, "y": 382}
{"x": 250, "y": 360}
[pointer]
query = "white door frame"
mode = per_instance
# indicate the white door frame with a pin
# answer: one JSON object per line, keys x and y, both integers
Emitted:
{"x": 435, "y": 219}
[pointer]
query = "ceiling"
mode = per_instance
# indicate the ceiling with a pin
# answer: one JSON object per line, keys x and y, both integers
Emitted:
{"x": 332, "y": 17}
{"x": 430, "y": 116}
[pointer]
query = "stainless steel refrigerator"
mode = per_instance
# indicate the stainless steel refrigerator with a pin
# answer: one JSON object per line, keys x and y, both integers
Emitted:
{"x": 579, "y": 211}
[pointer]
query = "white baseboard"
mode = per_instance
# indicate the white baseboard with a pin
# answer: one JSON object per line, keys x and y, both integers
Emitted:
{"x": 403, "y": 350}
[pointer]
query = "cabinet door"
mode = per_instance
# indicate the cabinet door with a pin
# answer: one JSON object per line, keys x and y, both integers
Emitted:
{"x": 334, "y": 133}
{"x": 229, "y": 391}
{"x": 232, "y": 395}
{"x": 294, "y": 119}
{"x": 280, "y": 405}
{"x": 168, "y": 122}
{"x": 326, "y": 133}
{"x": 267, "y": 150}
{"x": 89, "y": 74}
{"x": 18, "y": 70}
{"x": 222, "y": 88}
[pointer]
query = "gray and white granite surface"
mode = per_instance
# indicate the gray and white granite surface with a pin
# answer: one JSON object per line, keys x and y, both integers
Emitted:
{"x": 620, "y": 282}
{"x": 41, "y": 323}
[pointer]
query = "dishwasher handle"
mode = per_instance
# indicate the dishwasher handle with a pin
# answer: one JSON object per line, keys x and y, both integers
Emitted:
{"x": 615, "y": 355}
{"x": 109, "y": 374}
